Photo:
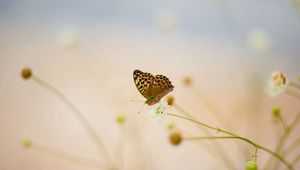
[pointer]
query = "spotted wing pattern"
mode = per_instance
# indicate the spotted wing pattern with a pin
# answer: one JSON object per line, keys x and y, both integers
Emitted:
{"x": 153, "y": 88}
{"x": 161, "y": 87}
{"x": 143, "y": 82}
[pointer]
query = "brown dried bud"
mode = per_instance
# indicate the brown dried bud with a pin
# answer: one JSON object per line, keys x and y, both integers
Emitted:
{"x": 26, "y": 73}
{"x": 175, "y": 138}
{"x": 170, "y": 100}
{"x": 187, "y": 81}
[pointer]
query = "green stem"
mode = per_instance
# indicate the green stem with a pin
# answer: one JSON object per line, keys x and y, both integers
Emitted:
{"x": 219, "y": 148}
{"x": 255, "y": 154}
{"x": 215, "y": 111}
{"x": 291, "y": 147}
{"x": 92, "y": 132}
{"x": 225, "y": 137}
{"x": 285, "y": 135}
{"x": 208, "y": 137}
{"x": 212, "y": 108}
{"x": 276, "y": 155}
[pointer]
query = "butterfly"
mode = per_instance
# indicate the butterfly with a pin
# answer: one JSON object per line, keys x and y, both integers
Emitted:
{"x": 153, "y": 88}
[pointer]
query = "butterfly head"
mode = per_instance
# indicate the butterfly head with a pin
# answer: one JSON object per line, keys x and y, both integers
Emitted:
{"x": 150, "y": 100}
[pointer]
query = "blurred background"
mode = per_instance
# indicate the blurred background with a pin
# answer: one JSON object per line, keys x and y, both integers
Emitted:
{"x": 89, "y": 49}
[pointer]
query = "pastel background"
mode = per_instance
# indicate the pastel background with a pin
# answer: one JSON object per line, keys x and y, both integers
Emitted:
{"x": 89, "y": 49}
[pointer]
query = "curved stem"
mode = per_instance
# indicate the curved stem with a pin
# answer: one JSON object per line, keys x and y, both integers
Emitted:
{"x": 225, "y": 137}
{"x": 276, "y": 155}
{"x": 283, "y": 123}
{"x": 212, "y": 108}
{"x": 90, "y": 130}
{"x": 291, "y": 147}
{"x": 219, "y": 147}
{"x": 287, "y": 133}
{"x": 284, "y": 137}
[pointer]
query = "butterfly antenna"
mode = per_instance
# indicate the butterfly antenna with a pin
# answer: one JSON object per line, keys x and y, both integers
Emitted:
{"x": 142, "y": 105}
{"x": 141, "y": 108}
{"x": 136, "y": 101}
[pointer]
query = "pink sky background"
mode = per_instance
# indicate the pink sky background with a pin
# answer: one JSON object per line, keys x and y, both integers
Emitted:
{"x": 110, "y": 41}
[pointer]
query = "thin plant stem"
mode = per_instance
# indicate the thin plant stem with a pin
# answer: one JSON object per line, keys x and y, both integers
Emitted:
{"x": 255, "y": 154}
{"x": 294, "y": 84}
{"x": 285, "y": 135}
{"x": 89, "y": 129}
{"x": 283, "y": 123}
{"x": 121, "y": 145}
{"x": 295, "y": 160}
{"x": 274, "y": 154}
{"x": 208, "y": 137}
{"x": 291, "y": 147}
{"x": 293, "y": 94}
{"x": 220, "y": 149}
{"x": 137, "y": 141}
{"x": 212, "y": 108}
{"x": 67, "y": 156}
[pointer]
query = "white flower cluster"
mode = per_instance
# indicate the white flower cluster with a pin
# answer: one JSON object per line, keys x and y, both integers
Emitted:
{"x": 157, "y": 112}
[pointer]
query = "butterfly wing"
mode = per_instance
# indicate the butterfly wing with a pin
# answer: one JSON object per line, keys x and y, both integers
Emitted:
{"x": 143, "y": 82}
{"x": 161, "y": 86}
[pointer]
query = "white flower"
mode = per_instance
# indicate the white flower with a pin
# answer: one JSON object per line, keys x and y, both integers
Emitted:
{"x": 259, "y": 40}
{"x": 167, "y": 21}
{"x": 279, "y": 79}
{"x": 277, "y": 84}
{"x": 157, "y": 112}
{"x": 68, "y": 38}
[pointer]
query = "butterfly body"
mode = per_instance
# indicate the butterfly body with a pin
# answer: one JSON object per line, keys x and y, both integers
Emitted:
{"x": 153, "y": 88}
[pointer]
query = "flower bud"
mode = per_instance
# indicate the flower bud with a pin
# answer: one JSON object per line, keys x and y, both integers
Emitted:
{"x": 278, "y": 78}
{"x": 187, "y": 81}
{"x": 120, "y": 118}
{"x": 26, "y": 143}
{"x": 175, "y": 138}
{"x": 276, "y": 111}
{"x": 170, "y": 100}
{"x": 26, "y": 73}
{"x": 277, "y": 83}
{"x": 251, "y": 165}
{"x": 170, "y": 126}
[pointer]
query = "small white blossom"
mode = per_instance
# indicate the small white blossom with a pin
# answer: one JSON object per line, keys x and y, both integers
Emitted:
{"x": 277, "y": 84}
{"x": 68, "y": 38}
{"x": 157, "y": 112}
{"x": 167, "y": 21}
{"x": 259, "y": 40}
